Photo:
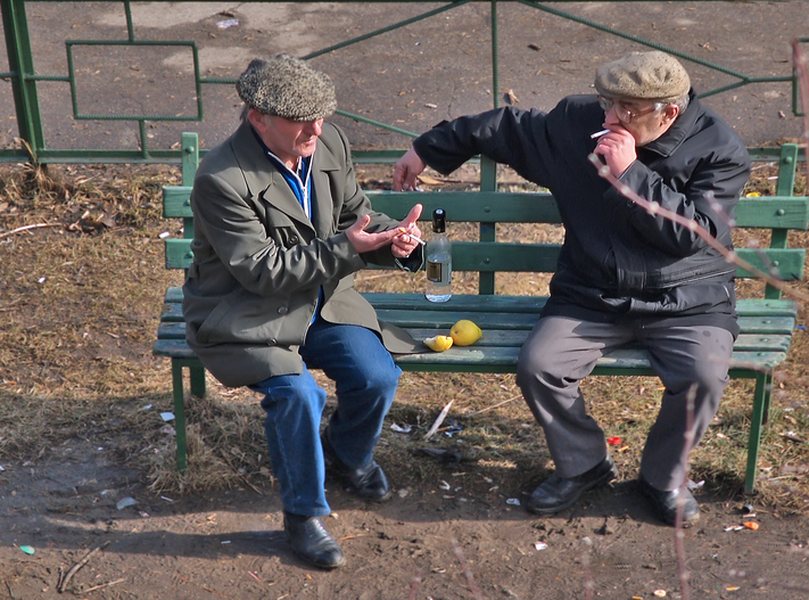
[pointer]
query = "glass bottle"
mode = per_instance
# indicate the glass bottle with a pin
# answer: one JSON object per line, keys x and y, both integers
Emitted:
{"x": 439, "y": 260}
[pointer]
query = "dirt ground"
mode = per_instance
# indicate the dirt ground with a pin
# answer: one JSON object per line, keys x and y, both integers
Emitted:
{"x": 462, "y": 542}
{"x": 90, "y": 506}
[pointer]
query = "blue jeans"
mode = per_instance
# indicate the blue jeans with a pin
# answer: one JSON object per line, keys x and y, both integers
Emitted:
{"x": 366, "y": 379}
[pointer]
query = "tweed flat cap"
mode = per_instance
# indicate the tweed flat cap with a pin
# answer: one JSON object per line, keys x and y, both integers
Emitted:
{"x": 288, "y": 87}
{"x": 651, "y": 75}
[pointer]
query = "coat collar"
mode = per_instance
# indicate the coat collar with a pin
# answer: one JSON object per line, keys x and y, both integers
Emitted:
{"x": 667, "y": 143}
{"x": 265, "y": 183}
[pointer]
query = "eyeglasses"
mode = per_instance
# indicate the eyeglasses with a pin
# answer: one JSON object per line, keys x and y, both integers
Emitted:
{"x": 624, "y": 113}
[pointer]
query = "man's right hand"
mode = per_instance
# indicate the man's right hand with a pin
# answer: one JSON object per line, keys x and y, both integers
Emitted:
{"x": 406, "y": 170}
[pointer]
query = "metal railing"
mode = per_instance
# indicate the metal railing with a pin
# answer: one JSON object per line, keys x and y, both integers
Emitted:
{"x": 32, "y": 131}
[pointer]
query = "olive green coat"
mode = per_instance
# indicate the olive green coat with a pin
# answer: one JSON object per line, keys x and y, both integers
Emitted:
{"x": 259, "y": 262}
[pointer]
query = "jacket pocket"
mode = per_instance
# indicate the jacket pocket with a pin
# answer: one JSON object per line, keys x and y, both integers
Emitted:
{"x": 246, "y": 318}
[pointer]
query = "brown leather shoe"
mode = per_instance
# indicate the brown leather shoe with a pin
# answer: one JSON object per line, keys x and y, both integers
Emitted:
{"x": 558, "y": 493}
{"x": 311, "y": 542}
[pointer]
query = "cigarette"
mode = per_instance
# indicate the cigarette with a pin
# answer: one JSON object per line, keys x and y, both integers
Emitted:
{"x": 598, "y": 134}
{"x": 414, "y": 237}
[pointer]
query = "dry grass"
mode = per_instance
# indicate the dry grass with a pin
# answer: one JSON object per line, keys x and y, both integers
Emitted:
{"x": 79, "y": 307}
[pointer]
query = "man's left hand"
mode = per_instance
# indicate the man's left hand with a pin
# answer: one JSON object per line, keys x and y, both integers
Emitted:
{"x": 402, "y": 244}
{"x": 617, "y": 148}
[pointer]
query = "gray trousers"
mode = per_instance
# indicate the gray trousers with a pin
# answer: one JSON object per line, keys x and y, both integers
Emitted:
{"x": 561, "y": 351}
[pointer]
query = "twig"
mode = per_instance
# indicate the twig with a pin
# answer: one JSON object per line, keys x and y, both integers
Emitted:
{"x": 438, "y": 420}
{"x": 493, "y": 406}
{"x": 589, "y": 582}
{"x": 103, "y": 585}
{"x": 8, "y": 587}
{"x": 60, "y": 587}
{"x": 801, "y": 64}
{"x": 27, "y": 227}
{"x": 470, "y": 580}
{"x": 415, "y": 585}
{"x": 679, "y": 533}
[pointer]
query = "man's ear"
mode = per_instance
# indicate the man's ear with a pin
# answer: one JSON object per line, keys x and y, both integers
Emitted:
{"x": 671, "y": 112}
{"x": 254, "y": 117}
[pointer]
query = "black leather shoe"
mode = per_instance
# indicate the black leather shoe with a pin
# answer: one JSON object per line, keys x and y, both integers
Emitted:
{"x": 665, "y": 503}
{"x": 558, "y": 493}
{"x": 311, "y": 542}
{"x": 369, "y": 483}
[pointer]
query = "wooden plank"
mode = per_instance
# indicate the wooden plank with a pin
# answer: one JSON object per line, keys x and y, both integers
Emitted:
{"x": 497, "y": 257}
{"x": 778, "y": 322}
{"x": 175, "y": 330}
{"x": 746, "y": 307}
{"x": 764, "y": 212}
{"x": 534, "y": 304}
{"x": 471, "y": 206}
{"x": 444, "y": 320}
{"x": 485, "y": 358}
{"x": 773, "y": 212}
{"x": 178, "y": 253}
{"x": 177, "y": 201}
{"x": 785, "y": 264}
{"x": 503, "y": 359}
{"x": 173, "y": 349}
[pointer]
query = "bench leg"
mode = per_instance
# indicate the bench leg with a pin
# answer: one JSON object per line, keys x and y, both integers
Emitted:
{"x": 179, "y": 414}
{"x": 197, "y": 381}
{"x": 761, "y": 403}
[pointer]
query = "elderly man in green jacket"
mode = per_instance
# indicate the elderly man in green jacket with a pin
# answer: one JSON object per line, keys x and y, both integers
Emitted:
{"x": 280, "y": 227}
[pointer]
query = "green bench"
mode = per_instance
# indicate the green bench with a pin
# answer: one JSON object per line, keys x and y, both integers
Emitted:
{"x": 767, "y": 322}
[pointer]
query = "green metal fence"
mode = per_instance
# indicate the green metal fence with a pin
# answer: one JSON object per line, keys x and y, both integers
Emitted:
{"x": 26, "y": 81}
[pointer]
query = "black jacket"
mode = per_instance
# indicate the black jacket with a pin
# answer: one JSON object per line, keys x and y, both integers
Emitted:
{"x": 617, "y": 260}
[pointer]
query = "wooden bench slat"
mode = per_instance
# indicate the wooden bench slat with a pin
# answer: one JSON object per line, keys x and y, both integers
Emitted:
{"x": 412, "y": 310}
{"x": 177, "y": 201}
{"x": 773, "y": 212}
{"x": 516, "y": 338}
{"x": 506, "y": 358}
{"x": 531, "y": 304}
{"x": 768, "y": 212}
{"x": 500, "y": 207}
{"x": 485, "y": 358}
{"x": 491, "y": 257}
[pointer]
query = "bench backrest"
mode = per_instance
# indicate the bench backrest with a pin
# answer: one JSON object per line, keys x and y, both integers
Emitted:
{"x": 486, "y": 255}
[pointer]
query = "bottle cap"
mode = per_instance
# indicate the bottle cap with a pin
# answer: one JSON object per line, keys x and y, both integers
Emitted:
{"x": 439, "y": 220}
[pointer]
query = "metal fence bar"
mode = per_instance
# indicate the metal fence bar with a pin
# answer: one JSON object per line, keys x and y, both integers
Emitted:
{"x": 24, "y": 81}
{"x": 20, "y": 59}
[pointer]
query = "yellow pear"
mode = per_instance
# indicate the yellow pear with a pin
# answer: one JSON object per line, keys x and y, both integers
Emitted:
{"x": 439, "y": 343}
{"x": 465, "y": 333}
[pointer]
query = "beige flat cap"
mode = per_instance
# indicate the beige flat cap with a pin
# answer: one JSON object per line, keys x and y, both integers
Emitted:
{"x": 651, "y": 75}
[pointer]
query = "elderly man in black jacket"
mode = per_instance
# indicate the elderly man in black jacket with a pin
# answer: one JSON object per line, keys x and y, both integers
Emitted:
{"x": 624, "y": 274}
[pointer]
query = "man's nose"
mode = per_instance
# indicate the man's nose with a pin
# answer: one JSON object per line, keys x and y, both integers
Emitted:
{"x": 314, "y": 127}
{"x": 611, "y": 116}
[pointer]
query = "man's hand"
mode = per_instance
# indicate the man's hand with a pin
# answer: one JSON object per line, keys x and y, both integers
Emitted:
{"x": 617, "y": 148}
{"x": 402, "y": 244}
{"x": 406, "y": 170}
